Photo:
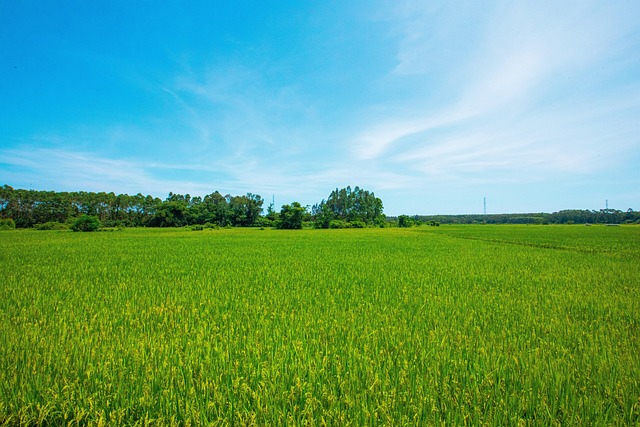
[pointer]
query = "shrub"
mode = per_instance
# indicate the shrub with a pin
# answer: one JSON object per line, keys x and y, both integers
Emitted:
{"x": 266, "y": 222}
{"x": 86, "y": 223}
{"x": 358, "y": 224}
{"x": 338, "y": 223}
{"x": 405, "y": 221}
{"x": 7, "y": 224}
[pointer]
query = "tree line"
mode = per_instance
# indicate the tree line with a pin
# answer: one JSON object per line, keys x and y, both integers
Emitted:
{"x": 569, "y": 216}
{"x": 344, "y": 208}
{"x": 49, "y": 209}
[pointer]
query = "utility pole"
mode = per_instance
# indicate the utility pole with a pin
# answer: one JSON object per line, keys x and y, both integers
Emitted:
{"x": 484, "y": 211}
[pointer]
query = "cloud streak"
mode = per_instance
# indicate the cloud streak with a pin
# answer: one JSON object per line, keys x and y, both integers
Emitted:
{"x": 426, "y": 102}
{"x": 523, "y": 51}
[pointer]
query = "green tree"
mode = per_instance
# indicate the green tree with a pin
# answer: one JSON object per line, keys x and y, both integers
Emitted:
{"x": 86, "y": 223}
{"x": 245, "y": 210}
{"x": 349, "y": 205}
{"x": 170, "y": 214}
{"x": 272, "y": 215}
{"x": 216, "y": 209}
{"x": 291, "y": 216}
{"x": 405, "y": 221}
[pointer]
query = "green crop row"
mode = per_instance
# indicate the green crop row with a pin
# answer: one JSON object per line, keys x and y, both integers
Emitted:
{"x": 496, "y": 325}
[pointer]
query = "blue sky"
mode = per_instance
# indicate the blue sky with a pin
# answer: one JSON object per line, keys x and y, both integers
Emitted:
{"x": 431, "y": 105}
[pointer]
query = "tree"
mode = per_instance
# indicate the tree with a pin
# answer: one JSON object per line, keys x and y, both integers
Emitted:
{"x": 170, "y": 214}
{"x": 216, "y": 209}
{"x": 291, "y": 216}
{"x": 405, "y": 221}
{"x": 245, "y": 210}
{"x": 86, "y": 223}
{"x": 271, "y": 215}
{"x": 6, "y": 196}
{"x": 349, "y": 205}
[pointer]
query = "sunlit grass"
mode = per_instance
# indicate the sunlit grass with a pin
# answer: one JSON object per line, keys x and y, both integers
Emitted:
{"x": 460, "y": 325}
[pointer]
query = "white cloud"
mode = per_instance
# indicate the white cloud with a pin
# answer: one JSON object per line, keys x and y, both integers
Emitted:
{"x": 64, "y": 170}
{"x": 73, "y": 169}
{"x": 501, "y": 120}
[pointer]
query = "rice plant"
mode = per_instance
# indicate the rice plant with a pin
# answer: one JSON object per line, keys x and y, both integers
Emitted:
{"x": 463, "y": 325}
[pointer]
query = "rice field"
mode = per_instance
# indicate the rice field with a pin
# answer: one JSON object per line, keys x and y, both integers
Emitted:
{"x": 455, "y": 325}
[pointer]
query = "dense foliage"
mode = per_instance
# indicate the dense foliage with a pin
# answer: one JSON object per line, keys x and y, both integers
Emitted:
{"x": 405, "y": 221}
{"x": 346, "y": 206}
{"x": 291, "y": 216}
{"x": 86, "y": 223}
{"x": 29, "y": 208}
{"x": 450, "y": 325}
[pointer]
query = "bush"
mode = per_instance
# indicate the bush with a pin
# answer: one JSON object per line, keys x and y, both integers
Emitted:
{"x": 358, "y": 224}
{"x": 266, "y": 222}
{"x": 7, "y": 224}
{"x": 338, "y": 223}
{"x": 86, "y": 223}
{"x": 405, "y": 221}
{"x": 51, "y": 225}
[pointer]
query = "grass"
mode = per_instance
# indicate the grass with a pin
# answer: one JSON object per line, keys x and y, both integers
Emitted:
{"x": 495, "y": 325}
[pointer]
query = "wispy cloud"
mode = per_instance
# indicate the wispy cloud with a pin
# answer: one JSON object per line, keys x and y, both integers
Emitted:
{"x": 73, "y": 170}
{"x": 66, "y": 170}
{"x": 405, "y": 97}
{"x": 495, "y": 123}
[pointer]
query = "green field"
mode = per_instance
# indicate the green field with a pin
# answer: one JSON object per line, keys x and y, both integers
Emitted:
{"x": 496, "y": 325}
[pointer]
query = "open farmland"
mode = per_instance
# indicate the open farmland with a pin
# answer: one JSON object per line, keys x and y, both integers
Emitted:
{"x": 501, "y": 325}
